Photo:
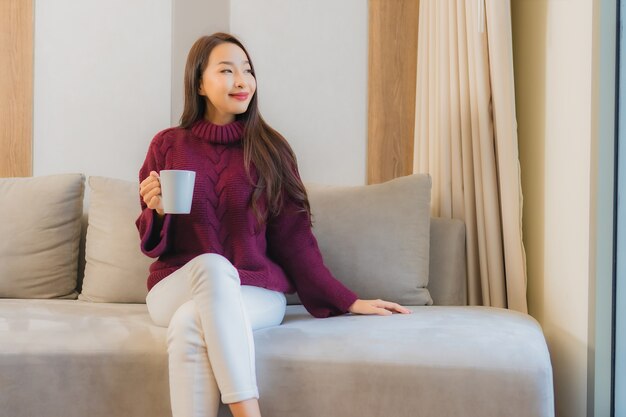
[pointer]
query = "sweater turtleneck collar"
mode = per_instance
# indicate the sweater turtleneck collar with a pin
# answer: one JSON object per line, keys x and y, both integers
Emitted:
{"x": 221, "y": 134}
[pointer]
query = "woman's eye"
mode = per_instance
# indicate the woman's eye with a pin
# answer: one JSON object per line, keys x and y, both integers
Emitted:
{"x": 250, "y": 71}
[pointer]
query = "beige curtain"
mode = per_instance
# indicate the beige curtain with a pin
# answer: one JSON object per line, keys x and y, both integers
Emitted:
{"x": 466, "y": 138}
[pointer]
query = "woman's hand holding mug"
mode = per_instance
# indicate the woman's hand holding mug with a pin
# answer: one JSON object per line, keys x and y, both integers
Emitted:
{"x": 150, "y": 191}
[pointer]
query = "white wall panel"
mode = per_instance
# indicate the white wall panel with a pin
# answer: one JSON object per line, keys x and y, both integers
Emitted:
{"x": 102, "y": 84}
{"x": 310, "y": 58}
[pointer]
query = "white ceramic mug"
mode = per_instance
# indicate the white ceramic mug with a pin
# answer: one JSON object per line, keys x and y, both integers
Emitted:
{"x": 177, "y": 190}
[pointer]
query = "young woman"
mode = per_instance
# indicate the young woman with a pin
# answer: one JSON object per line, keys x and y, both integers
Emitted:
{"x": 222, "y": 270}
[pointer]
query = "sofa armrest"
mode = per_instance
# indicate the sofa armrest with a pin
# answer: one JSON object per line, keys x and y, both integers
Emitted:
{"x": 447, "y": 282}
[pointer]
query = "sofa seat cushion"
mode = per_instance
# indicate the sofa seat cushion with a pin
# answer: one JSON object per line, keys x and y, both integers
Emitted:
{"x": 437, "y": 361}
{"x": 470, "y": 361}
{"x": 55, "y": 327}
{"x": 75, "y": 358}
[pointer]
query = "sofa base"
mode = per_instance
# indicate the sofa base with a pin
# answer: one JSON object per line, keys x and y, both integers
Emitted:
{"x": 70, "y": 358}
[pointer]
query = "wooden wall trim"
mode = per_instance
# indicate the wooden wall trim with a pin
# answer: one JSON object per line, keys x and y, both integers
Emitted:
{"x": 392, "y": 70}
{"x": 16, "y": 88}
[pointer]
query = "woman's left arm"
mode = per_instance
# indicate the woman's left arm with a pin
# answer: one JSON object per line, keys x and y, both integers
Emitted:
{"x": 291, "y": 243}
{"x": 293, "y": 246}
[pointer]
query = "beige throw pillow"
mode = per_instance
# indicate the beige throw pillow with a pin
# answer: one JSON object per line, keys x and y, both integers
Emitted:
{"x": 375, "y": 239}
{"x": 115, "y": 270}
{"x": 40, "y": 231}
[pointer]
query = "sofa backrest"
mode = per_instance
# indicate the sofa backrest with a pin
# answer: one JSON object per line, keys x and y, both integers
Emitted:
{"x": 357, "y": 227}
{"x": 447, "y": 269}
{"x": 447, "y": 280}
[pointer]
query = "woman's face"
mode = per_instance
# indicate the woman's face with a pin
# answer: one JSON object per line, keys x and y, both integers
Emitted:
{"x": 227, "y": 83}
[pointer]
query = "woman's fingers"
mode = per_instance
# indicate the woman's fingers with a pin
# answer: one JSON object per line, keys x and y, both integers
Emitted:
{"x": 383, "y": 312}
{"x": 378, "y": 306}
{"x": 149, "y": 179}
{"x": 149, "y": 187}
{"x": 153, "y": 197}
{"x": 399, "y": 308}
{"x": 148, "y": 194}
{"x": 388, "y": 305}
{"x": 150, "y": 190}
{"x": 145, "y": 182}
{"x": 154, "y": 202}
{"x": 149, "y": 183}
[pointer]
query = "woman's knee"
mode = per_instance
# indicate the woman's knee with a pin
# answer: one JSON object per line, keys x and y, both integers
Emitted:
{"x": 185, "y": 328}
{"x": 213, "y": 267}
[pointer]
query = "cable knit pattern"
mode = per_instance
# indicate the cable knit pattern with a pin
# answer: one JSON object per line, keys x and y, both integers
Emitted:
{"x": 281, "y": 255}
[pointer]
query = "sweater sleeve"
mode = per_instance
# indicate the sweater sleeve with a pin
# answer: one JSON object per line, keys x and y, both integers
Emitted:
{"x": 152, "y": 237}
{"x": 293, "y": 246}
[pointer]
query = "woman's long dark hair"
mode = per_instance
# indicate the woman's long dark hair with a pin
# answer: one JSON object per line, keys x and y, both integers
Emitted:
{"x": 267, "y": 149}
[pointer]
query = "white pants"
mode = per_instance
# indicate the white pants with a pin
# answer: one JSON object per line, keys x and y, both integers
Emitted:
{"x": 210, "y": 317}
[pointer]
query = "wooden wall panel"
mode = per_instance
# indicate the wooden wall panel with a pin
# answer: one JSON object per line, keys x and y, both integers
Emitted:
{"x": 16, "y": 87}
{"x": 391, "y": 88}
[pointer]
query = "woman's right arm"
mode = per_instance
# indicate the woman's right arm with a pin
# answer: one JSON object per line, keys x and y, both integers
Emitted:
{"x": 152, "y": 224}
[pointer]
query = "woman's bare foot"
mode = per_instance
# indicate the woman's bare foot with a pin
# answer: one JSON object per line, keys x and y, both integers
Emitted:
{"x": 246, "y": 408}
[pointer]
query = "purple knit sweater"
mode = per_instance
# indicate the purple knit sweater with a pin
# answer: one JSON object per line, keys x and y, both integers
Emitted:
{"x": 281, "y": 255}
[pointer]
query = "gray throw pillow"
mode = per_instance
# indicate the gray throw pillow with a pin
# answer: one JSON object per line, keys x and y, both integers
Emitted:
{"x": 40, "y": 229}
{"x": 375, "y": 239}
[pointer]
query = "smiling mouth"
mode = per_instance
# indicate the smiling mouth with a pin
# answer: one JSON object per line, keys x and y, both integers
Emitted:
{"x": 239, "y": 96}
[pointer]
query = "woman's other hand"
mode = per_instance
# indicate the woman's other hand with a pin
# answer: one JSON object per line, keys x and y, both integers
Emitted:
{"x": 380, "y": 307}
{"x": 150, "y": 191}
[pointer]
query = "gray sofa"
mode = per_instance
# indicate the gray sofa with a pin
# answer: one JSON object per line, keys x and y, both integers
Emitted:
{"x": 72, "y": 357}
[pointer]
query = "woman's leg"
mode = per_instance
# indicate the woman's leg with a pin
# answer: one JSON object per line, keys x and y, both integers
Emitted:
{"x": 264, "y": 308}
{"x": 210, "y": 318}
{"x": 193, "y": 388}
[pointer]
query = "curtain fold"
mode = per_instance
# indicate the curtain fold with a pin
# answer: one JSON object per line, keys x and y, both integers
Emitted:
{"x": 466, "y": 138}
